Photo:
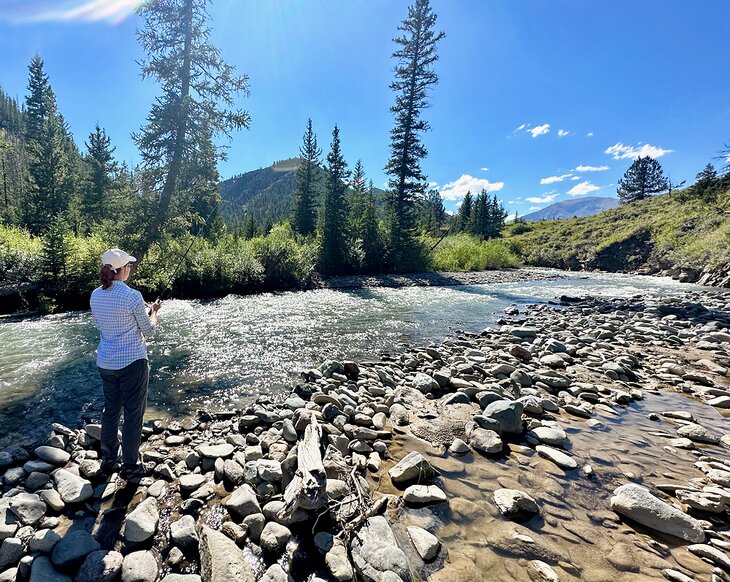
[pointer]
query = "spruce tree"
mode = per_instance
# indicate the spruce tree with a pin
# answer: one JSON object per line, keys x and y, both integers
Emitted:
{"x": 304, "y": 205}
{"x": 37, "y": 100}
{"x": 706, "y": 179}
{"x": 496, "y": 216}
{"x": 464, "y": 217}
{"x": 249, "y": 226}
{"x": 414, "y": 75}
{"x": 333, "y": 216}
{"x": 102, "y": 169}
{"x": 369, "y": 233}
{"x": 197, "y": 101}
{"x": 481, "y": 216}
{"x": 643, "y": 178}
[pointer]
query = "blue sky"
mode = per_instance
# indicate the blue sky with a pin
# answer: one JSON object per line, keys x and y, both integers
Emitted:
{"x": 538, "y": 101}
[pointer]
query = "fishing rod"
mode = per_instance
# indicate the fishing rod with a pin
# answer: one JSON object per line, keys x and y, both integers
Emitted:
{"x": 168, "y": 285}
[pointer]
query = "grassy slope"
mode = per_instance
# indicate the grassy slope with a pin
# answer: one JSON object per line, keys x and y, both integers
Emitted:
{"x": 682, "y": 232}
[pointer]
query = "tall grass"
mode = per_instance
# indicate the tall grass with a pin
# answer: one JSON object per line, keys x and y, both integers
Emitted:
{"x": 464, "y": 252}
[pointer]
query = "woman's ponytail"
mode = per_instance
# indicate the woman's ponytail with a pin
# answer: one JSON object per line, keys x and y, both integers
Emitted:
{"x": 106, "y": 276}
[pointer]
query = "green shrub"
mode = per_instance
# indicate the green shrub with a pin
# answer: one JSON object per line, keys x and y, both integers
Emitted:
{"x": 463, "y": 252}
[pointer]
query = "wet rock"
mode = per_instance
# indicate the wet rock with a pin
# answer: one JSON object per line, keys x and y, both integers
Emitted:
{"x": 548, "y": 435}
{"x": 561, "y": 459}
{"x": 413, "y": 467}
{"x": 459, "y": 447}
{"x": 221, "y": 560}
{"x": 141, "y": 523}
{"x": 485, "y": 441}
{"x": 423, "y": 495}
{"x": 274, "y": 537}
{"x": 101, "y": 566}
{"x": 43, "y": 571}
{"x": 140, "y": 566}
{"x": 637, "y": 503}
{"x": 72, "y": 488}
{"x": 515, "y": 504}
{"x": 698, "y": 434}
{"x": 73, "y": 549}
{"x": 183, "y": 534}
{"x": 711, "y": 553}
{"x": 719, "y": 476}
{"x": 676, "y": 576}
{"x": 539, "y": 571}
{"x": 427, "y": 545}
{"x": 709, "y": 502}
{"x": 720, "y": 402}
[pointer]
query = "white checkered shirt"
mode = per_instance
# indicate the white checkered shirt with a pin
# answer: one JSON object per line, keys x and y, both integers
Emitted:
{"x": 119, "y": 313}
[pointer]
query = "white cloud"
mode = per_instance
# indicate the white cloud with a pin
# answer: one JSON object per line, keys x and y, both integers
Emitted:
{"x": 590, "y": 168}
{"x": 531, "y": 208}
{"x": 484, "y": 169}
{"x": 562, "y": 132}
{"x": 466, "y": 183}
{"x": 553, "y": 179}
{"x": 112, "y": 11}
{"x": 575, "y": 178}
{"x": 510, "y": 201}
{"x": 546, "y": 198}
{"x": 540, "y": 130}
{"x": 583, "y": 188}
{"x": 520, "y": 128}
{"x": 511, "y": 217}
{"x": 589, "y": 134}
{"x": 620, "y": 151}
{"x": 432, "y": 185}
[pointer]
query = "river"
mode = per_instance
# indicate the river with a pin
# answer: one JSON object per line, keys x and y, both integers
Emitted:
{"x": 224, "y": 353}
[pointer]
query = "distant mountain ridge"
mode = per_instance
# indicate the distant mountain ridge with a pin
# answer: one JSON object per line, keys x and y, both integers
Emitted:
{"x": 266, "y": 193}
{"x": 579, "y": 208}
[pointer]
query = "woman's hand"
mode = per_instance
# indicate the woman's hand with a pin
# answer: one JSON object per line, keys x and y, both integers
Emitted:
{"x": 155, "y": 307}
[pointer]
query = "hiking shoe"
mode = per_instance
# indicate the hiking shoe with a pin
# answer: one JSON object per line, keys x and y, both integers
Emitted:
{"x": 108, "y": 467}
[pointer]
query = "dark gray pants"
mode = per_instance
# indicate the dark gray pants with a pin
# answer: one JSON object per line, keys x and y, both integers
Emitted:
{"x": 124, "y": 389}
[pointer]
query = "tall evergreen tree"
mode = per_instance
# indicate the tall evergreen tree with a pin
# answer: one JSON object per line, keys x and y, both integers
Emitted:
{"x": 481, "y": 215}
{"x": 49, "y": 146}
{"x": 431, "y": 213}
{"x": 706, "y": 179}
{"x": 333, "y": 216}
{"x": 464, "y": 216}
{"x": 643, "y": 178}
{"x": 369, "y": 233}
{"x": 304, "y": 205}
{"x": 198, "y": 90}
{"x": 102, "y": 167}
{"x": 356, "y": 200}
{"x": 496, "y": 216}
{"x": 414, "y": 75}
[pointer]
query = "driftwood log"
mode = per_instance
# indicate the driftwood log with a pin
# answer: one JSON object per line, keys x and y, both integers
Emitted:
{"x": 308, "y": 488}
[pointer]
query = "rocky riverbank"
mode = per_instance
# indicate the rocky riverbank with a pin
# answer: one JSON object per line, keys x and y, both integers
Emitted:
{"x": 579, "y": 442}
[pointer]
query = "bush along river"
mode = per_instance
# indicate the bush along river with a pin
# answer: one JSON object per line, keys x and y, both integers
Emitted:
{"x": 449, "y": 433}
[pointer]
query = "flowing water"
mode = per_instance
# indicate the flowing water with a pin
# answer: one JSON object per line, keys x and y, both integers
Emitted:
{"x": 223, "y": 353}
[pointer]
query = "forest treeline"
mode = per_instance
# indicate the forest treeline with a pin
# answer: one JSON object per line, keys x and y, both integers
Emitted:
{"x": 63, "y": 203}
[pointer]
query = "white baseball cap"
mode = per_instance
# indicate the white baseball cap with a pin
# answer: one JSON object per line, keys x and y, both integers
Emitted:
{"x": 117, "y": 258}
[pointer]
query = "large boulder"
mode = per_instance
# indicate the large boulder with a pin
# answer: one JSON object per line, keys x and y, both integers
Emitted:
{"x": 43, "y": 571}
{"x": 52, "y": 455}
{"x": 508, "y": 413}
{"x": 412, "y": 467}
{"x": 141, "y": 566}
{"x": 141, "y": 523}
{"x": 221, "y": 560}
{"x": 425, "y": 383}
{"x": 243, "y": 501}
{"x": 101, "y": 566}
{"x": 182, "y": 532}
{"x": 72, "y": 488}
{"x": 515, "y": 504}
{"x": 637, "y": 503}
{"x": 376, "y": 554}
{"x": 73, "y": 548}
{"x": 28, "y": 508}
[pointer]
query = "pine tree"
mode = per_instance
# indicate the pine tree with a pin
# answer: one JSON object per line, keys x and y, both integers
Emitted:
{"x": 464, "y": 217}
{"x": 197, "y": 101}
{"x": 369, "y": 233}
{"x": 249, "y": 226}
{"x": 706, "y": 179}
{"x": 333, "y": 216}
{"x": 199, "y": 185}
{"x": 496, "y": 216}
{"x": 414, "y": 75}
{"x": 304, "y": 213}
{"x": 481, "y": 216}
{"x": 96, "y": 201}
{"x": 37, "y": 101}
{"x": 643, "y": 178}
{"x": 356, "y": 200}
{"x": 431, "y": 212}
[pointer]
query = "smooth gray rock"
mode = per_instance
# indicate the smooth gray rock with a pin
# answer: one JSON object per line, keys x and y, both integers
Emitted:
{"x": 44, "y": 541}
{"x": 485, "y": 441}
{"x": 424, "y": 495}
{"x": 427, "y": 545}
{"x": 141, "y": 566}
{"x": 274, "y": 537}
{"x": 713, "y": 554}
{"x": 28, "y": 508}
{"x": 8, "y": 523}
{"x": 141, "y": 523}
{"x": 190, "y": 482}
{"x": 182, "y": 532}
{"x": 376, "y": 554}
{"x": 425, "y": 383}
{"x": 72, "y": 488}
{"x": 52, "y": 455}
{"x": 549, "y": 435}
{"x": 73, "y": 549}
{"x": 508, "y": 413}
{"x": 43, "y": 571}
{"x": 216, "y": 451}
{"x": 181, "y": 578}
{"x": 11, "y": 550}
{"x": 101, "y": 566}
{"x": 412, "y": 467}
{"x": 221, "y": 560}
{"x": 338, "y": 562}
{"x": 698, "y": 434}
{"x": 561, "y": 459}
{"x": 243, "y": 501}
{"x": 637, "y": 503}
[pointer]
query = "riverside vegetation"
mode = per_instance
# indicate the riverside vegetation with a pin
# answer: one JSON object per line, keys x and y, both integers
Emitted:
{"x": 569, "y": 443}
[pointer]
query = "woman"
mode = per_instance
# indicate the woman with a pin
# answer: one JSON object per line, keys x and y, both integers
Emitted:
{"x": 121, "y": 316}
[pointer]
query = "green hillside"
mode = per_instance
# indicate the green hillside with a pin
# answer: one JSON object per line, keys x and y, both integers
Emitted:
{"x": 682, "y": 234}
